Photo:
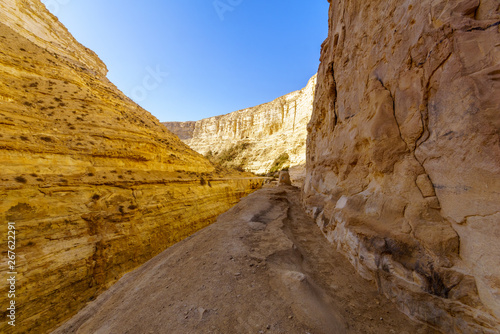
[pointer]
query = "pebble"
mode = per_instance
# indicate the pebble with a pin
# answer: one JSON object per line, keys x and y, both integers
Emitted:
{"x": 202, "y": 311}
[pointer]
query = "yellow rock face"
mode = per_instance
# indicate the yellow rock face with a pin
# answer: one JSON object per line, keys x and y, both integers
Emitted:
{"x": 255, "y": 137}
{"x": 95, "y": 184}
{"x": 403, "y": 169}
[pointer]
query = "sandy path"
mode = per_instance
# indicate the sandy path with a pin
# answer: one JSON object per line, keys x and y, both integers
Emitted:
{"x": 263, "y": 267}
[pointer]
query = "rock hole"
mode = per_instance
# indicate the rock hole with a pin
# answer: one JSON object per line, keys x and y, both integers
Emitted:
{"x": 335, "y": 40}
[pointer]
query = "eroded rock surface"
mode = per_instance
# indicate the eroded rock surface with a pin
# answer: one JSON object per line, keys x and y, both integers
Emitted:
{"x": 403, "y": 167}
{"x": 183, "y": 130}
{"x": 254, "y": 138}
{"x": 95, "y": 184}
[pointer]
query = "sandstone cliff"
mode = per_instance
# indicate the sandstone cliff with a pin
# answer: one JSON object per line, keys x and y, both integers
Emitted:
{"x": 95, "y": 184}
{"x": 403, "y": 164}
{"x": 255, "y": 138}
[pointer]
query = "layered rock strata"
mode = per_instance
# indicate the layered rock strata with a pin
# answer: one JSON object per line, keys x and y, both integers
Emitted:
{"x": 254, "y": 138}
{"x": 95, "y": 185}
{"x": 403, "y": 157}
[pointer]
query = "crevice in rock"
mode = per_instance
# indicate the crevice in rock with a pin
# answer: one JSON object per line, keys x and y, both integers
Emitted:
{"x": 484, "y": 28}
{"x": 394, "y": 113}
{"x": 425, "y": 135}
{"x": 474, "y": 15}
{"x": 464, "y": 221}
{"x": 435, "y": 284}
{"x": 332, "y": 69}
{"x": 424, "y": 114}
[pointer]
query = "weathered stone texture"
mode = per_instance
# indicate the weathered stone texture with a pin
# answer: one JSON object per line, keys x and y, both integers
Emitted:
{"x": 403, "y": 157}
{"x": 183, "y": 130}
{"x": 266, "y": 131}
{"x": 95, "y": 184}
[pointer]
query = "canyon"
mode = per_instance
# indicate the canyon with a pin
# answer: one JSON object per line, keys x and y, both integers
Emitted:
{"x": 95, "y": 185}
{"x": 403, "y": 154}
{"x": 395, "y": 145}
{"x": 256, "y": 139}
{"x": 263, "y": 267}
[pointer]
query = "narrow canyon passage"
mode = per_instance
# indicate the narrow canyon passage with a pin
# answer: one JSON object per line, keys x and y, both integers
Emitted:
{"x": 263, "y": 267}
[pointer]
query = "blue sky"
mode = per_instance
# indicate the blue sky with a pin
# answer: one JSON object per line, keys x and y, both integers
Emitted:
{"x": 207, "y": 57}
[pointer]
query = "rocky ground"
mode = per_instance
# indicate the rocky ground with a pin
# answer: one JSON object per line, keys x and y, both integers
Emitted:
{"x": 263, "y": 267}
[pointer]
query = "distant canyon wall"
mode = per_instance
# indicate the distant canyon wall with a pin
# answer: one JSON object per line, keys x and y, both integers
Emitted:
{"x": 95, "y": 185}
{"x": 403, "y": 155}
{"x": 183, "y": 130}
{"x": 259, "y": 135}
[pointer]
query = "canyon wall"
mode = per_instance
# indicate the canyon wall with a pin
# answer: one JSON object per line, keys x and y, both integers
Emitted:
{"x": 255, "y": 138}
{"x": 183, "y": 130}
{"x": 403, "y": 155}
{"x": 95, "y": 185}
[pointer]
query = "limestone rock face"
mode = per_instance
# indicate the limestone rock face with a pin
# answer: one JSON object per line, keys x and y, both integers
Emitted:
{"x": 403, "y": 157}
{"x": 183, "y": 130}
{"x": 255, "y": 137}
{"x": 95, "y": 184}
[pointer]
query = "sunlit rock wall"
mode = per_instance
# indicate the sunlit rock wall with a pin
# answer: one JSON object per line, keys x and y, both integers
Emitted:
{"x": 268, "y": 131}
{"x": 96, "y": 185}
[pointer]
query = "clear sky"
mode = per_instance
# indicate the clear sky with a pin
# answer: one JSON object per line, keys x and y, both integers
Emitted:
{"x": 190, "y": 59}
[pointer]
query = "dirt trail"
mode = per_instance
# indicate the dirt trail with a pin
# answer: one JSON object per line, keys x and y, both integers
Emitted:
{"x": 263, "y": 267}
